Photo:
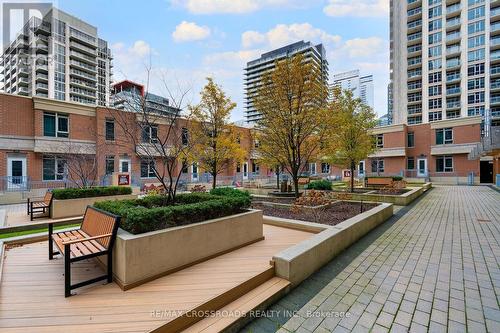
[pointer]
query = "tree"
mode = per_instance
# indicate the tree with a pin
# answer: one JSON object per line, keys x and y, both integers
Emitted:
{"x": 158, "y": 137}
{"x": 215, "y": 140}
{"x": 291, "y": 100}
{"x": 349, "y": 140}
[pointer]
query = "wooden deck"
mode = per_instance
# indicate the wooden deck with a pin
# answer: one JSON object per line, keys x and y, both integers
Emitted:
{"x": 32, "y": 289}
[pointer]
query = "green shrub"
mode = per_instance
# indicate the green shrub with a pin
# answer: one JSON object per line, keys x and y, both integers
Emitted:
{"x": 229, "y": 192}
{"x": 152, "y": 213}
{"x": 320, "y": 185}
{"x": 77, "y": 193}
{"x": 394, "y": 178}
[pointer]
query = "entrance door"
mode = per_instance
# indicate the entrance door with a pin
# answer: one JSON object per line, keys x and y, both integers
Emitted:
{"x": 194, "y": 172}
{"x": 312, "y": 169}
{"x": 361, "y": 169}
{"x": 486, "y": 172}
{"x": 422, "y": 167}
{"x": 125, "y": 165}
{"x": 245, "y": 170}
{"x": 16, "y": 172}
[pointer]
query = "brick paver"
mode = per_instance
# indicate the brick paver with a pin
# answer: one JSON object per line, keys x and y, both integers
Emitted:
{"x": 433, "y": 267}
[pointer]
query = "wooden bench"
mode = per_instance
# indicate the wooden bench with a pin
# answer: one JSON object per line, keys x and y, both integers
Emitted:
{"x": 40, "y": 206}
{"x": 379, "y": 181}
{"x": 95, "y": 237}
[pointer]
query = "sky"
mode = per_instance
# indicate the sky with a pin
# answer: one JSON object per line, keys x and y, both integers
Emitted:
{"x": 185, "y": 41}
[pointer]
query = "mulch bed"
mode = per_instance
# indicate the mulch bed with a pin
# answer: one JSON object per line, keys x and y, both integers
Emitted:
{"x": 334, "y": 214}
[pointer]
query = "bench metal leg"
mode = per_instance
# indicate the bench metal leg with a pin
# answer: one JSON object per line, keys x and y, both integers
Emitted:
{"x": 67, "y": 271}
{"x": 110, "y": 266}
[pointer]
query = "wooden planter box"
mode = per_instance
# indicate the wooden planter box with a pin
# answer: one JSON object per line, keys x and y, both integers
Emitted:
{"x": 76, "y": 207}
{"x": 145, "y": 257}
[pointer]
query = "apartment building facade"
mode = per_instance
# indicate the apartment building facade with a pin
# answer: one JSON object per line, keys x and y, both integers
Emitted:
{"x": 59, "y": 57}
{"x": 315, "y": 54}
{"x": 361, "y": 86}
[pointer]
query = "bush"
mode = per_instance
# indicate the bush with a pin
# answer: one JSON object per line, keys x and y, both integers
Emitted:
{"x": 394, "y": 178}
{"x": 320, "y": 185}
{"x": 77, "y": 193}
{"x": 229, "y": 192}
{"x": 152, "y": 213}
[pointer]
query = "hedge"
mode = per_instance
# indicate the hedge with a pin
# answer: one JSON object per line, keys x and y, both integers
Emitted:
{"x": 229, "y": 191}
{"x": 103, "y": 191}
{"x": 152, "y": 213}
{"x": 394, "y": 178}
{"x": 320, "y": 185}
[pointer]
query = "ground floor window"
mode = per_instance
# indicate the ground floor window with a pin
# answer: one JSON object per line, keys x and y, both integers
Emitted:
{"x": 444, "y": 164}
{"x": 54, "y": 168}
{"x": 410, "y": 163}
{"x": 378, "y": 166}
{"x": 325, "y": 168}
{"x": 110, "y": 165}
{"x": 147, "y": 168}
{"x": 255, "y": 167}
{"x": 238, "y": 167}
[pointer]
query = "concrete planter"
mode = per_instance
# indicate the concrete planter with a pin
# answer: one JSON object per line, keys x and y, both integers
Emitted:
{"x": 301, "y": 260}
{"x": 76, "y": 207}
{"x": 397, "y": 199}
{"x": 145, "y": 257}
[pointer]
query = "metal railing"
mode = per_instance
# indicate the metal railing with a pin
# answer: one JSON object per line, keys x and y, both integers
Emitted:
{"x": 25, "y": 183}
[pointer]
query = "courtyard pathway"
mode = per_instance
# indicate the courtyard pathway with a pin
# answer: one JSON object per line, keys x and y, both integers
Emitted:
{"x": 434, "y": 266}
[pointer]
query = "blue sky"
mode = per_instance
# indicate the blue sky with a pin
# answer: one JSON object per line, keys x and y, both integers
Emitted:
{"x": 188, "y": 40}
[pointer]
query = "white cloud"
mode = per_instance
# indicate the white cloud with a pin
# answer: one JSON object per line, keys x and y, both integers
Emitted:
{"x": 190, "y": 31}
{"x": 284, "y": 34}
{"x": 357, "y": 8}
{"x": 235, "y": 6}
{"x": 364, "y": 47}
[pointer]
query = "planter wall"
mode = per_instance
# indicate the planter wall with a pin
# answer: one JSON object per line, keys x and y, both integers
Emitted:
{"x": 301, "y": 260}
{"x": 400, "y": 200}
{"x": 142, "y": 258}
{"x": 76, "y": 207}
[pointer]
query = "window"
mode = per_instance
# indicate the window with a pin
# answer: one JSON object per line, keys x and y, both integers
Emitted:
{"x": 435, "y": 25}
{"x": 477, "y": 97}
{"x": 435, "y": 103}
{"x": 475, "y": 13}
{"x": 54, "y": 168}
{"x": 475, "y": 55}
{"x": 444, "y": 136}
{"x": 414, "y": 120}
{"x": 377, "y": 166}
{"x": 185, "y": 136}
{"x": 238, "y": 167}
{"x": 147, "y": 168}
{"x": 476, "y": 41}
{"x": 435, "y": 77}
{"x": 435, "y": 64}
{"x": 410, "y": 163}
{"x": 435, "y": 38}
{"x": 55, "y": 125}
{"x": 434, "y": 90}
{"x": 255, "y": 167}
{"x": 435, "y": 51}
{"x": 475, "y": 83}
{"x": 411, "y": 139}
{"x": 476, "y": 27}
{"x": 476, "y": 69}
{"x": 185, "y": 167}
{"x": 256, "y": 143}
{"x": 435, "y": 116}
{"x": 444, "y": 164}
{"x": 325, "y": 168}
{"x": 150, "y": 134}
{"x": 435, "y": 11}
{"x": 476, "y": 111}
{"x": 110, "y": 165}
{"x": 110, "y": 129}
{"x": 379, "y": 141}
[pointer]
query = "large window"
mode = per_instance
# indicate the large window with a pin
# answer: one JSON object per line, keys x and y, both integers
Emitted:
{"x": 476, "y": 69}
{"x": 410, "y": 163}
{"x": 476, "y": 27}
{"x": 435, "y": 116}
{"x": 444, "y": 136}
{"x": 110, "y": 165}
{"x": 55, "y": 125}
{"x": 325, "y": 168}
{"x": 444, "y": 164}
{"x": 477, "y": 97}
{"x": 379, "y": 141}
{"x": 110, "y": 129}
{"x": 185, "y": 136}
{"x": 147, "y": 168}
{"x": 411, "y": 139}
{"x": 150, "y": 134}
{"x": 54, "y": 168}
{"x": 377, "y": 166}
{"x": 475, "y": 13}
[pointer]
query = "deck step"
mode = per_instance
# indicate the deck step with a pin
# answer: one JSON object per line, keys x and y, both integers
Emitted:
{"x": 234, "y": 293}
{"x": 236, "y": 314}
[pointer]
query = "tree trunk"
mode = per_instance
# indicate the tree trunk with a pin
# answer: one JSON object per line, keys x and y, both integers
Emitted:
{"x": 214, "y": 180}
{"x": 277, "y": 179}
{"x": 296, "y": 185}
{"x": 353, "y": 166}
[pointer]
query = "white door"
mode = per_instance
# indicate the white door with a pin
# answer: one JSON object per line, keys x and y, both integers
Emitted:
{"x": 16, "y": 172}
{"x": 312, "y": 169}
{"x": 194, "y": 172}
{"x": 361, "y": 169}
{"x": 422, "y": 167}
{"x": 245, "y": 170}
{"x": 125, "y": 165}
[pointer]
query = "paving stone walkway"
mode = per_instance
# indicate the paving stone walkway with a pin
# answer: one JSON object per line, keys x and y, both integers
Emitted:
{"x": 434, "y": 266}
